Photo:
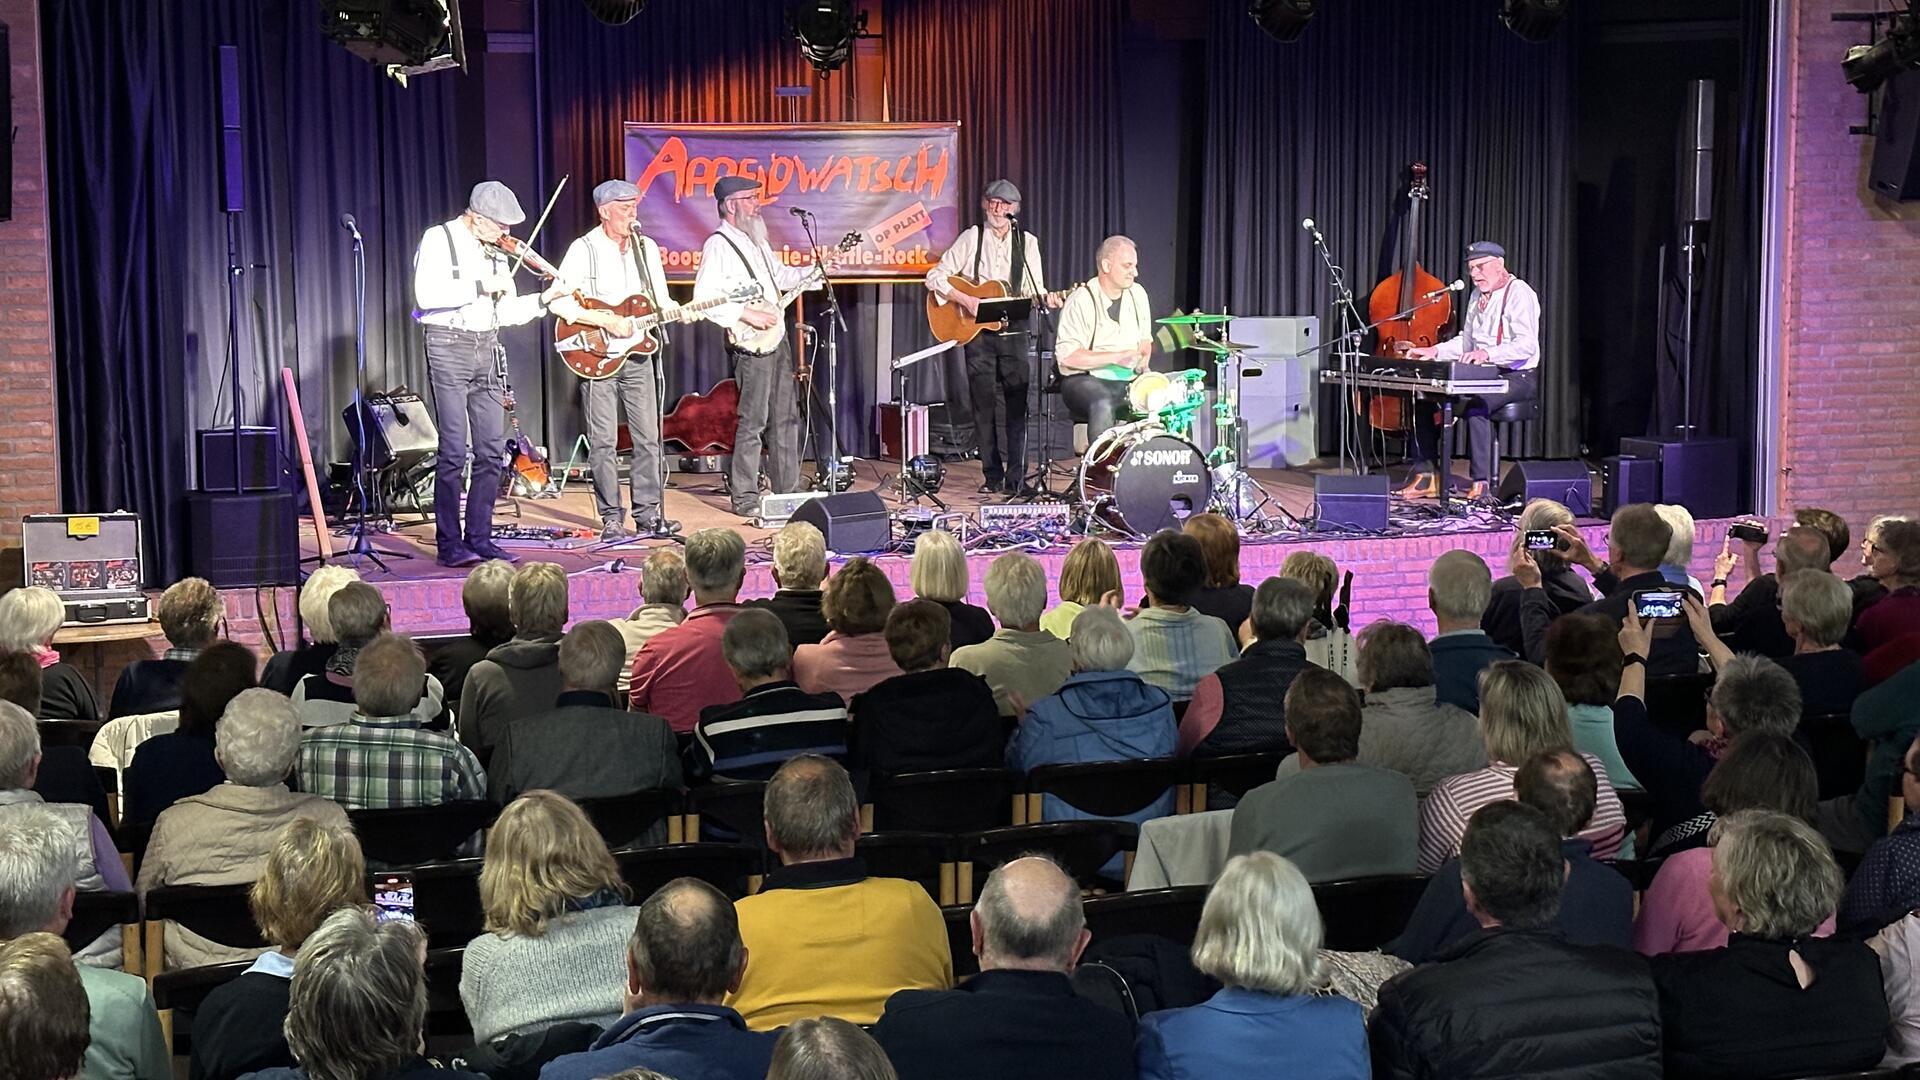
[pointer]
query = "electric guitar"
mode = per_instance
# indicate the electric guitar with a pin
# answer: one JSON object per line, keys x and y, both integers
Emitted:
{"x": 593, "y": 352}
{"x": 950, "y": 322}
{"x": 762, "y": 342}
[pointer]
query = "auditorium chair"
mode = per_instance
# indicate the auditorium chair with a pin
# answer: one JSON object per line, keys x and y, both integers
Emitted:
{"x": 218, "y": 913}
{"x": 412, "y": 835}
{"x": 446, "y": 901}
{"x": 734, "y": 869}
{"x": 1234, "y": 774}
{"x": 96, "y": 912}
{"x": 734, "y": 812}
{"x": 1366, "y": 913}
{"x": 1839, "y": 755}
{"x": 446, "y": 1013}
{"x": 1108, "y": 789}
{"x": 625, "y": 820}
{"x": 959, "y": 920}
{"x": 1677, "y": 704}
{"x": 131, "y": 838}
{"x": 1169, "y": 913}
{"x": 1080, "y": 847}
{"x": 178, "y": 995}
{"x": 78, "y": 733}
{"x": 923, "y": 857}
{"x": 945, "y": 800}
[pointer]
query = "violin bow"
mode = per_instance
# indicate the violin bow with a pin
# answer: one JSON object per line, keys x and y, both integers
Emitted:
{"x": 527, "y": 248}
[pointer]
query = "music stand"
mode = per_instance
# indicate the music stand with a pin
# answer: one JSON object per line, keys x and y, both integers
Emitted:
{"x": 904, "y": 401}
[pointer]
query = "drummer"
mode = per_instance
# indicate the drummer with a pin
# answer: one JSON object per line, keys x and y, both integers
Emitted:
{"x": 1105, "y": 337}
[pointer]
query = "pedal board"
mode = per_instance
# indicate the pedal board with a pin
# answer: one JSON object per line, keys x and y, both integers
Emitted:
{"x": 1024, "y": 515}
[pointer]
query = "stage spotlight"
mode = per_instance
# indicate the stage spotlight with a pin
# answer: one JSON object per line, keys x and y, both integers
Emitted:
{"x": 1533, "y": 20}
{"x": 1867, "y": 66}
{"x": 615, "y": 12}
{"x": 825, "y": 30}
{"x": 925, "y": 474}
{"x": 402, "y": 37}
{"x": 836, "y": 476}
{"x": 1286, "y": 20}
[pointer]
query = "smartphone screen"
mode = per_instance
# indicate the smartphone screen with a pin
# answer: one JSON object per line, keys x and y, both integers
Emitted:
{"x": 1658, "y": 604}
{"x": 1744, "y": 530}
{"x": 1542, "y": 540}
{"x": 393, "y": 897}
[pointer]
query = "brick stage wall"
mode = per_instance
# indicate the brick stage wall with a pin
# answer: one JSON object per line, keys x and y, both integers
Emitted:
{"x": 30, "y": 484}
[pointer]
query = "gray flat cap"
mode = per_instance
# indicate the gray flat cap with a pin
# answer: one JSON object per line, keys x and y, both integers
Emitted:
{"x": 1002, "y": 189}
{"x": 493, "y": 199}
{"x": 729, "y": 186}
{"x": 1484, "y": 249}
{"x": 614, "y": 191}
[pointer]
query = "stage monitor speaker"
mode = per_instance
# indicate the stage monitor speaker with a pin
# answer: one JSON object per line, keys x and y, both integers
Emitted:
{"x": 1278, "y": 396}
{"x": 852, "y": 522}
{"x": 402, "y": 432}
{"x": 1626, "y": 480}
{"x": 1696, "y": 153}
{"x": 244, "y": 539}
{"x": 232, "y": 161}
{"x": 259, "y": 459}
{"x": 1351, "y": 502}
{"x": 6, "y": 110}
{"x": 1565, "y": 482}
{"x": 1701, "y": 474}
{"x": 1895, "y": 172}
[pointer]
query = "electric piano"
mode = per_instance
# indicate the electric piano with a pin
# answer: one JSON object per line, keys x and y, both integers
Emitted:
{"x": 1441, "y": 378}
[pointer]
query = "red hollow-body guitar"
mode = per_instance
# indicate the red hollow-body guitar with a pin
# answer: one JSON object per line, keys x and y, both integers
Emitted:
{"x": 704, "y": 423}
{"x": 592, "y": 352}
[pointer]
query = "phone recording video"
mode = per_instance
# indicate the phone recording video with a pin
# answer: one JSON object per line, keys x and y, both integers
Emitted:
{"x": 1750, "y": 531}
{"x": 1659, "y": 604}
{"x": 393, "y": 897}
{"x": 1542, "y": 540}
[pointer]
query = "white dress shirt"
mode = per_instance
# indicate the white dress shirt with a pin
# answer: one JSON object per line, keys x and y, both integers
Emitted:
{"x": 447, "y": 280}
{"x": 1505, "y": 322}
{"x": 996, "y": 262}
{"x": 596, "y": 263}
{"x": 1087, "y": 322}
{"x": 722, "y": 271}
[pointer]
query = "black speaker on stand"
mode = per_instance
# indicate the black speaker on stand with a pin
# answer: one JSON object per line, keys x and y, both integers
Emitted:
{"x": 852, "y": 522}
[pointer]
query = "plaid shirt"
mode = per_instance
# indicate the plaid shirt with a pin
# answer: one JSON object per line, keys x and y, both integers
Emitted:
{"x": 378, "y": 763}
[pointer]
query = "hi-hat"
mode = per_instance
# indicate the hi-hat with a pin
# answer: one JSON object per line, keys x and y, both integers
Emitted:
{"x": 1195, "y": 319}
{"x": 1209, "y": 345}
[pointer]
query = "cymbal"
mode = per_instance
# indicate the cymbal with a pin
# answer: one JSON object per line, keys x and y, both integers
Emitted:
{"x": 1209, "y": 345}
{"x": 1195, "y": 319}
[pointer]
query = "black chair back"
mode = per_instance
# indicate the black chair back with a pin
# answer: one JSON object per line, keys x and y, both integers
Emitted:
{"x": 1109, "y": 788}
{"x": 1839, "y": 755}
{"x": 914, "y": 856}
{"x": 731, "y": 811}
{"x": 94, "y": 913}
{"x": 633, "y": 819}
{"x": 727, "y": 867}
{"x": 132, "y": 838}
{"x": 446, "y": 1013}
{"x": 1170, "y": 913}
{"x": 216, "y": 912}
{"x": 944, "y": 800}
{"x": 960, "y": 939}
{"x": 446, "y": 902}
{"x": 1080, "y": 847}
{"x": 413, "y": 835}
{"x": 78, "y": 733}
{"x": 184, "y": 991}
{"x": 1235, "y": 774}
{"x": 1366, "y": 913}
{"x": 1677, "y": 704}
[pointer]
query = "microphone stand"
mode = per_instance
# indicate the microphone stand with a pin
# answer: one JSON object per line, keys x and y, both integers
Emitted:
{"x": 362, "y": 545}
{"x": 828, "y": 472}
{"x": 1037, "y": 485}
{"x": 657, "y": 293}
{"x": 1349, "y": 316}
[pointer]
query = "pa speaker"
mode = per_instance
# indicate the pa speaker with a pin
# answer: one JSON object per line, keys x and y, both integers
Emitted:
{"x": 1351, "y": 502}
{"x": 1627, "y": 480}
{"x": 855, "y": 521}
{"x": 1701, "y": 474}
{"x": 242, "y": 539}
{"x": 1565, "y": 482}
{"x": 259, "y": 459}
{"x": 1896, "y": 145}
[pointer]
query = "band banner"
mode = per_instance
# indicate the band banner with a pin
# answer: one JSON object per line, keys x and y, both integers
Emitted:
{"x": 895, "y": 184}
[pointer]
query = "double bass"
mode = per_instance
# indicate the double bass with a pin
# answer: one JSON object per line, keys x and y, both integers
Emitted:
{"x": 1402, "y": 291}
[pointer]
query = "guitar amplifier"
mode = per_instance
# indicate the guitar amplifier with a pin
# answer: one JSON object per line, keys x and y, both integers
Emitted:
{"x": 92, "y": 560}
{"x": 399, "y": 432}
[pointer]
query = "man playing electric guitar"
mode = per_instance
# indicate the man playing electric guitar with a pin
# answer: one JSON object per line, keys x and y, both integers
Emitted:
{"x": 996, "y": 361}
{"x": 610, "y": 263}
{"x": 1105, "y": 337}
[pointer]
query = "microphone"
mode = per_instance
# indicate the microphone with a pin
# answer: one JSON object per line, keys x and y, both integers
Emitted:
{"x": 352, "y": 226}
{"x": 798, "y": 211}
{"x": 1456, "y": 285}
{"x": 1307, "y": 224}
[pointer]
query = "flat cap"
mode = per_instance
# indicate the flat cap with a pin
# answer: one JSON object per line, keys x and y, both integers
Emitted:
{"x": 614, "y": 191}
{"x": 1002, "y": 189}
{"x": 1485, "y": 249}
{"x": 493, "y": 199}
{"x": 729, "y": 186}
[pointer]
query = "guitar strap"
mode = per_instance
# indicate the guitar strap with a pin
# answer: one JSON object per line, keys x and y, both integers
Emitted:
{"x": 979, "y": 246}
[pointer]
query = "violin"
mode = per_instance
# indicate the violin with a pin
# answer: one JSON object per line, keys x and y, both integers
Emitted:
{"x": 1402, "y": 291}
{"x": 522, "y": 253}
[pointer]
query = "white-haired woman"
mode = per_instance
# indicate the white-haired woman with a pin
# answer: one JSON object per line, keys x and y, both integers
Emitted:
{"x": 222, "y": 837}
{"x": 799, "y": 566}
{"x": 1680, "y": 548}
{"x": 287, "y": 667}
{"x": 939, "y": 574}
{"x": 29, "y": 618}
{"x": 1260, "y": 936}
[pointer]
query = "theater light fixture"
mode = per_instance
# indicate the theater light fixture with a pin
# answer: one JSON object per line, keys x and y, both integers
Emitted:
{"x": 925, "y": 475}
{"x": 825, "y": 30}
{"x": 1286, "y": 20}
{"x": 1867, "y": 66}
{"x": 1534, "y": 20}
{"x": 615, "y": 12}
{"x": 401, "y": 37}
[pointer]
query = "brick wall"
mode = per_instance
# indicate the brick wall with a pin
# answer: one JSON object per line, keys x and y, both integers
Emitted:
{"x": 1851, "y": 345}
{"x": 29, "y": 485}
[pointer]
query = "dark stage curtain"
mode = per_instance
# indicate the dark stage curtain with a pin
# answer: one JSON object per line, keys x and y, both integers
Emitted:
{"x": 140, "y": 247}
{"x": 1326, "y": 126}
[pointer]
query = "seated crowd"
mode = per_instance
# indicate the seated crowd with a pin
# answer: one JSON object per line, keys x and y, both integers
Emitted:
{"x": 1639, "y": 846}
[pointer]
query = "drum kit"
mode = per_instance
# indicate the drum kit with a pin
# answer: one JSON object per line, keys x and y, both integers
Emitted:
{"x": 1148, "y": 474}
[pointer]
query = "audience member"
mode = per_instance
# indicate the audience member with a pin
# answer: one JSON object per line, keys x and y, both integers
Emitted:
{"x": 1754, "y": 622}
{"x": 180, "y": 763}
{"x": 1560, "y": 590}
{"x": 1637, "y": 540}
{"x": 1332, "y": 818}
{"x": 1596, "y": 904}
{"x": 1019, "y": 1017}
{"x": 682, "y": 960}
{"x": 65, "y": 775}
{"x": 853, "y": 657}
{"x": 1174, "y": 644}
{"x": 190, "y": 614}
{"x": 1232, "y": 710}
{"x": 1893, "y": 560}
{"x": 358, "y": 614}
{"x": 939, "y": 574}
{"x": 29, "y": 617}
{"x": 799, "y": 566}
{"x": 311, "y": 869}
{"x": 663, "y": 606}
{"x": 286, "y": 668}
{"x": 1329, "y": 645}
{"x": 1831, "y": 526}
{"x": 1898, "y": 946}
{"x": 485, "y": 596}
{"x": 681, "y": 671}
{"x": 382, "y": 758}
{"x": 43, "y": 1010}
{"x": 37, "y": 848}
{"x": 1104, "y": 712}
{"x": 774, "y": 719}
{"x": 825, "y": 938}
{"x": 93, "y": 862}
{"x": 1088, "y": 573}
{"x": 1584, "y": 658}
{"x": 1522, "y": 713}
{"x": 1259, "y": 935}
{"x": 522, "y": 677}
{"x": 220, "y": 836}
{"x": 357, "y": 1004}
{"x": 1760, "y": 771}
{"x": 1773, "y": 1001}
{"x": 1679, "y": 549}
{"x": 1514, "y": 998}
{"x": 586, "y": 746}
{"x": 931, "y": 716}
{"x": 1887, "y": 883}
{"x": 1867, "y": 590}
{"x": 1885, "y": 719}
{"x": 556, "y": 918}
{"x": 1223, "y": 596}
{"x": 828, "y": 1048}
{"x": 1459, "y": 586}
{"x": 1404, "y": 726}
{"x": 1021, "y": 662}
{"x": 1815, "y": 608}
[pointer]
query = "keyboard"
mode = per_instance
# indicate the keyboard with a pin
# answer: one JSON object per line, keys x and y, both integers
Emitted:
{"x": 1451, "y": 378}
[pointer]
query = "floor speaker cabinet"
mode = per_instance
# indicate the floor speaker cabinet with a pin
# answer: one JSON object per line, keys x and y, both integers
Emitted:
{"x": 1279, "y": 389}
{"x": 243, "y": 539}
{"x": 1626, "y": 480}
{"x": 1701, "y": 474}
{"x": 852, "y": 522}
{"x": 1565, "y": 482}
{"x": 259, "y": 459}
{"x": 1351, "y": 502}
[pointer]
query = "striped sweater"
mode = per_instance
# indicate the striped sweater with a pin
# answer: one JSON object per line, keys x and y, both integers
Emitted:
{"x": 1444, "y": 814}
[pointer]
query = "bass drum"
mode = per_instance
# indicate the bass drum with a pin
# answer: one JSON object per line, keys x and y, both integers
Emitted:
{"x": 1139, "y": 479}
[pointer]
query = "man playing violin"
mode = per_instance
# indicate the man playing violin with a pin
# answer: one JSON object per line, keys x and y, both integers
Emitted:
{"x": 996, "y": 360}
{"x": 463, "y": 293}
{"x": 1105, "y": 338}
{"x": 611, "y": 263}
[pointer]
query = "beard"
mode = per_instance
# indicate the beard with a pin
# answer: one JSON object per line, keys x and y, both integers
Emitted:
{"x": 756, "y": 228}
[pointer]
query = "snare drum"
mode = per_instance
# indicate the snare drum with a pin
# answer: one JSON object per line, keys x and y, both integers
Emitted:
{"x": 1150, "y": 392}
{"x": 1140, "y": 479}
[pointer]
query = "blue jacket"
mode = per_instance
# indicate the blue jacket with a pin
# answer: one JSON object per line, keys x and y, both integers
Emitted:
{"x": 1458, "y": 660}
{"x": 1096, "y": 716}
{"x": 1249, "y": 1033}
{"x": 686, "y": 1042}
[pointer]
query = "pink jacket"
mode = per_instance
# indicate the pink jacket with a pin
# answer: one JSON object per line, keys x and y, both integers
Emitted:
{"x": 1676, "y": 914}
{"x": 844, "y": 665}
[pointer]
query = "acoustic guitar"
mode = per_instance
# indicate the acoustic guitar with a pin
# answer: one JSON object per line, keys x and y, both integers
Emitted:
{"x": 762, "y": 342}
{"x": 951, "y": 322}
{"x": 593, "y": 352}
